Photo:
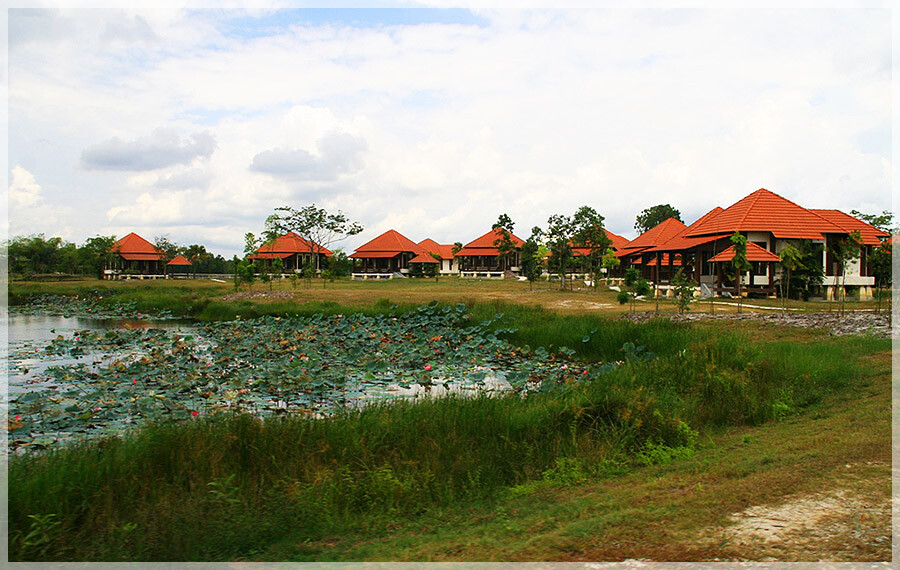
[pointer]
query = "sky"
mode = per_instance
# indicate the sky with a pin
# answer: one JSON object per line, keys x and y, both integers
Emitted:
{"x": 196, "y": 123}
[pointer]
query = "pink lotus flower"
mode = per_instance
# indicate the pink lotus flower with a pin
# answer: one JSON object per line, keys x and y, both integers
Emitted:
{"x": 195, "y": 413}
{"x": 428, "y": 367}
{"x": 18, "y": 417}
{"x": 134, "y": 381}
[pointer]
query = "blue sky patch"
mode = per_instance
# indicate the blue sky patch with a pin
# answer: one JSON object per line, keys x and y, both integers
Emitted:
{"x": 275, "y": 22}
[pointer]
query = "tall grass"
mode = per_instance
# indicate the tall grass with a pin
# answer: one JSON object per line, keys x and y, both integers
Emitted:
{"x": 218, "y": 488}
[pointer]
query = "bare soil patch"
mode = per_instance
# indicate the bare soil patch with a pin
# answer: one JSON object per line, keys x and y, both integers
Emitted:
{"x": 844, "y": 524}
{"x": 263, "y": 295}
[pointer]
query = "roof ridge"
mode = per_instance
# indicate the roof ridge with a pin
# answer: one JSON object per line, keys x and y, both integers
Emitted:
{"x": 755, "y": 196}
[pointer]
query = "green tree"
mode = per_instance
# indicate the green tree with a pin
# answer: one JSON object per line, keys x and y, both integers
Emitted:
{"x": 339, "y": 263}
{"x": 98, "y": 253}
{"x": 236, "y": 276}
{"x": 504, "y": 242}
{"x": 809, "y": 275}
{"x": 683, "y": 287}
{"x": 845, "y": 251}
{"x": 436, "y": 269}
{"x": 531, "y": 264}
{"x": 655, "y": 215}
{"x": 277, "y": 268}
{"x": 791, "y": 260}
{"x": 587, "y": 233}
{"x": 33, "y": 254}
{"x": 316, "y": 225}
{"x": 167, "y": 247}
{"x": 634, "y": 286}
{"x": 610, "y": 261}
{"x": 559, "y": 240}
{"x": 739, "y": 264}
{"x": 883, "y": 221}
{"x": 881, "y": 269}
{"x": 196, "y": 254}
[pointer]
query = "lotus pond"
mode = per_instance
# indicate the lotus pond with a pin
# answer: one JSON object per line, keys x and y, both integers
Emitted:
{"x": 98, "y": 378}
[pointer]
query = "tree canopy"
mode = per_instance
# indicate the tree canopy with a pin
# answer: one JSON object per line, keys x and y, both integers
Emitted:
{"x": 316, "y": 225}
{"x": 655, "y": 215}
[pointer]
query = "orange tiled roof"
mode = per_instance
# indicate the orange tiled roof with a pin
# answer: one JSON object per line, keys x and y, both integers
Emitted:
{"x": 179, "y": 260}
{"x": 869, "y": 233}
{"x": 390, "y": 242}
{"x": 431, "y": 246}
{"x": 484, "y": 245}
{"x": 424, "y": 257}
{"x": 617, "y": 242}
{"x": 676, "y": 261}
{"x": 754, "y": 253}
{"x": 287, "y": 245}
{"x": 135, "y": 248}
{"x": 766, "y": 211}
{"x": 657, "y": 235}
{"x": 680, "y": 241}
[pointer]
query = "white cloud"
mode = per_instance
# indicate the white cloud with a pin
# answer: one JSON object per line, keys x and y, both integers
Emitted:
{"x": 164, "y": 147}
{"x": 29, "y": 214}
{"x": 24, "y": 191}
{"x": 438, "y": 128}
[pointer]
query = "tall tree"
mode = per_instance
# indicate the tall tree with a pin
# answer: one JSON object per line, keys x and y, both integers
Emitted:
{"x": 739, "y": 263}
{"x": 883, "y": 221}
{"x": 166, "y": 246}
{"x": 316, "y": 225}
{"x": 845, "y": 251}
{"x": 610, "y": 261}
{"x": 791, "y": 260}
{"x": 654, "y": 215}
{"x": 531, "y": 258}
{"x": 98, "y": 253}
{"x": 881, "y": 269}
{"x": 195, "y": 253}
{"x": 504, "y": 243}
{"x": 587, "y": 233}
{"x": 559, "y": 240}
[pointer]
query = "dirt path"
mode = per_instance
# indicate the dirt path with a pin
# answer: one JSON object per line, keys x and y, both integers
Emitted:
{"x": 850, "y": 523}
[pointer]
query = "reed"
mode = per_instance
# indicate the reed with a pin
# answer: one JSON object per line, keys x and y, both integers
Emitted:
{"x": 218, "y": 488}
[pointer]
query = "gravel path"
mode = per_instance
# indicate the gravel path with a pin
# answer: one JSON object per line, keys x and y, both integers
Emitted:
{"x": 849, "y": 323}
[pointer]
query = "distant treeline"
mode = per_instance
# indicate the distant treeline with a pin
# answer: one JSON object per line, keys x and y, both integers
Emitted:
{"x": 37, "y": 254}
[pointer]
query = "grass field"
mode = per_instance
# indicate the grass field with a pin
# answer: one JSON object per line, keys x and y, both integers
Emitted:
{"x": 682, "y": 456}
{"x": 203, "y": 298}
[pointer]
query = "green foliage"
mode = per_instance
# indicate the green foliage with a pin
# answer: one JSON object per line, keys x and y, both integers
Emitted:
{"x": 683, "y": 287}
{"x": 559, "y": 240}
{"x": 883, "y": 221}
{"x": 37, "y": 254}
{"x": 340, "y": 264}
{"x": 587, "y": 233}
{"x": 225, "y": 484}
{"x": 881, "y": 263}
{"x": 634, "y": 286}
{"x": 531, "y": 260}
{"x": 316, "y": 225}
{"x": 504, "y": 243}
{"x": 655, "y": 215}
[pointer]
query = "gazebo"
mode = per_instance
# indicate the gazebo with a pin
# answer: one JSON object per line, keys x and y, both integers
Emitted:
{"x": 179, "y": 266}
